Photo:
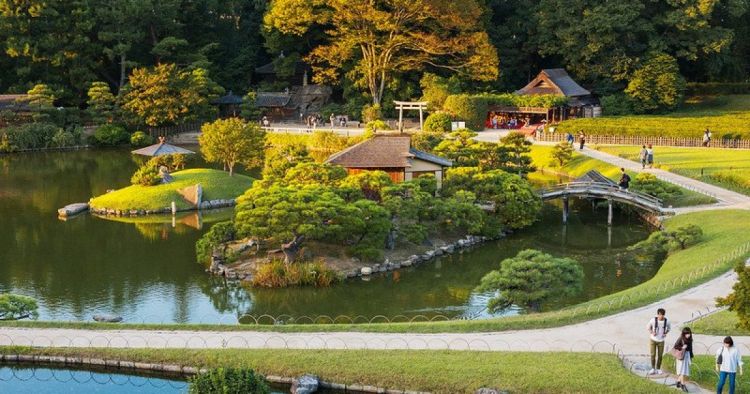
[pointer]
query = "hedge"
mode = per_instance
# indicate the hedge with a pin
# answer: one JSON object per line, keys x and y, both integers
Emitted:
{"x": 729, "y": 126}
{"x": 473, "y": 108}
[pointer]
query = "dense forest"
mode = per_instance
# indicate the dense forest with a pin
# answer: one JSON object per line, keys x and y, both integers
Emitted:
{"x": 371, "y": 51}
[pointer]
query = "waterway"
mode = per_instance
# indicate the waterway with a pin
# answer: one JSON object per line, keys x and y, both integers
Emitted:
{"x": 145, "y": 269}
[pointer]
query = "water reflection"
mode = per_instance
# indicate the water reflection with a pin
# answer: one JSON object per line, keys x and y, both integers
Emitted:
{"x": 144, "y": 268}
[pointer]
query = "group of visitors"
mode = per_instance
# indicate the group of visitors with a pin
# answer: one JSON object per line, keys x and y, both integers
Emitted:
{"x": 341, "y": 120}
{"x": 503, "y": 121}
{"x": 728, "y": 358}
{"x": 313, "y": 120}
{"x": 647, "y": 156}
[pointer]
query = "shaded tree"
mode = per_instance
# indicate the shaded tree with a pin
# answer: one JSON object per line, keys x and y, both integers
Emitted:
{"x": 562, "y": 153}
{"x": 17, "y": 307}
{"x": 531, "y": 278}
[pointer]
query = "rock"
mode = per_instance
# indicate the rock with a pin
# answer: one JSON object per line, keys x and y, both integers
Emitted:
{"x": 448, "y": 249}
{"x": 407, "y": 263}
{"x": 104, "y": 318}
{"x": 486, "y": 390}
{"x": 396, "y": 266}
{"x": 461, "y": 243}
{"x": 366, "y": 271}
{"x": 438, "y": 251}
{"x": 73, "y": 209}
{"x": 305, "y": 384}
{"x": 428, "y": 255}
{"x": 352, "y": 274}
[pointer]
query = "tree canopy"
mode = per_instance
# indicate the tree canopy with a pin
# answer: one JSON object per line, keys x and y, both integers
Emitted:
{"x": 233, "y": 141}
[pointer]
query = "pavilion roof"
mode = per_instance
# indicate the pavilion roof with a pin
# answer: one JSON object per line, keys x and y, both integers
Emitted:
{"x": 161, "y": 149}
{"x": 383, "y": 152}
{"x": 554, "y": 81}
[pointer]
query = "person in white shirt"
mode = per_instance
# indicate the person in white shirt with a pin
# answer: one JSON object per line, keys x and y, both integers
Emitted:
{"x": 728, "y": 361}
{"x": 658, "y": 328}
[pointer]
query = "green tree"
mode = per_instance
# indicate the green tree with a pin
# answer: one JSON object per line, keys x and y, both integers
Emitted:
{"x": 232, "y": 141}
{"x": 41, "y": 96}
{"x": 511, "y": 155}
{"x": 371, "y": 41}
{"x": 17, "y": 307}
{"x": 435, "y": 89}
{"x": 307, "y": 173}
{"x": 470, "y": 109}
{"x": 461, "y": 148}
{"x": 657, "y": 85}
{"x": 562, "y": 153}
{"x": 249, "y": 109}
{"x": 167, "y": 95}
{"x": 738, "y": 300}
{"x": 279, "y": 159}
{"x": 101, "y": 103}
{"x": 370, "y": 183}
{"x": 531, "y": 278}
{"x": 426, "y": 141}
{"x": 438, "y": 122}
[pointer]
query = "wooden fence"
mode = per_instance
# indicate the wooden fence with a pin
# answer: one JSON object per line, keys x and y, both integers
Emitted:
{"x": 645, "y": 140}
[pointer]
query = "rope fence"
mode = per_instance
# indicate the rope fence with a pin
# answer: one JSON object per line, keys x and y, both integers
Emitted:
{"x": 645, "y": 140}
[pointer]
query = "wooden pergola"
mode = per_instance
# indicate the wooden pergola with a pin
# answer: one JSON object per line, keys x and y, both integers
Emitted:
{"x": 402, "y": 105}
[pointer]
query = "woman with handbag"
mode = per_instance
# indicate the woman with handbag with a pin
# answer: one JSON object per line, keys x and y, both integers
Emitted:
{"x": 683, "y": 353}
{"x": 728, "y": 362}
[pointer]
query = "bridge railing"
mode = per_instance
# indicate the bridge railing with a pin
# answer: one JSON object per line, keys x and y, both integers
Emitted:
{"x": 601, "y": 187}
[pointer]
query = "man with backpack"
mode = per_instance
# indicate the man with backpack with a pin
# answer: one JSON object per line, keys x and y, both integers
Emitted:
{"x": 658, "y": 328}
{"x": 624, "y": 180}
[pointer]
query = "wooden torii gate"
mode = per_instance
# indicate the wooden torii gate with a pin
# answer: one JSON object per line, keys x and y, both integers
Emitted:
{"x": 402, "y": 105}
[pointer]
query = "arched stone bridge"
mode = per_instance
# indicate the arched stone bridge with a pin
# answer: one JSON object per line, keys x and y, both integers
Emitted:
{"x": 603, "y": 191}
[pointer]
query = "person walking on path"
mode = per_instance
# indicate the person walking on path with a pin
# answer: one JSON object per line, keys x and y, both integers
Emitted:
{"x": 707, "y": 137}
{"x": 728, "y": 361}
{"x": 650, "y": 156}
{"x": 658, "y": 328}
{"x": 581, "y": 139}
{"x": 683, "y": 353}
{"x": 568, "y": 137}
{"x": 624, "y": 180}
{"x": 643, "y": 156}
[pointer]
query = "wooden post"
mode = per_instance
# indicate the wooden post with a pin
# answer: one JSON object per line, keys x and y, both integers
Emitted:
{"x": 609, "y": 212}
{"x": 420, "y": 118}
{"x": 565, "y": 210}
{"x": 401, "y": 118}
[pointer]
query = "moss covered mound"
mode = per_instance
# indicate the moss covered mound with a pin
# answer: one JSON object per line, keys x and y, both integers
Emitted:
{"x": 216, "y": 185}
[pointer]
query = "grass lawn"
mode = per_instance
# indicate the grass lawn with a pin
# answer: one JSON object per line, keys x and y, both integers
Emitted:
{"x": 719, "y": 323}
{"x": 724, "y": 232}
{"x": 724, "y": 115}
{"x": 216, "y": 185}
{"x": 581, "y": 164}
{"x": 728, "y": 168}
{"x": 434, "y": 371}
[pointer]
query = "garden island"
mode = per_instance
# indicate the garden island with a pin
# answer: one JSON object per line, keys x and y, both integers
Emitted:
{"x": 373, "y": 196}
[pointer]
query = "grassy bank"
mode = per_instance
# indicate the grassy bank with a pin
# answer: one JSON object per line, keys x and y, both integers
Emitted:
{"x": 581, "y": 164}
{"x": 702, "y": 372}
{"x": 724, "y": 115}
{"x": 724, "y": 232}
{"x": 216, "y": 185}
{"x": 727, "y": 168}
{"x": 719, "y": 323}
{"x": 434, "y": 371}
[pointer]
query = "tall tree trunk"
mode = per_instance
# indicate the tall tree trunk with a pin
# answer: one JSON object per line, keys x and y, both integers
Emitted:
{"x": 123, "y": 58}
{"x": 291, "y": 249}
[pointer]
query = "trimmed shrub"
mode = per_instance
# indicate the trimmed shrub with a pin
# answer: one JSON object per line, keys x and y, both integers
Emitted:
{"x": 146, "y": 176}
{"x": 657, "y": 85}
{"x": 140, "y": 138}
{"x": 426, "y": 141}
{"x": 37, "y": 135}
{"x": 650, "y": 184}
{"x": 371, "y": 113}
{"x": 470, "y": 109}
{"x": 229, "y": 380}
{"x": 109, "y": 135}
{"x": 62, "y": 139}
{"x": 218, "y": 234}
{"x": 438, "y": 122}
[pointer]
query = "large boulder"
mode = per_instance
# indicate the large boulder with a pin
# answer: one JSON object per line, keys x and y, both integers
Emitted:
{"x": 305, "y": 384}
{"x": 106, "y": 318}
{"x": 73, "y": 209}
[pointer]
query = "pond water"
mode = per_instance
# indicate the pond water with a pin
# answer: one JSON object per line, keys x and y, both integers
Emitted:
{"x": 27, "y": 379}
{"x": 145, "y": 270}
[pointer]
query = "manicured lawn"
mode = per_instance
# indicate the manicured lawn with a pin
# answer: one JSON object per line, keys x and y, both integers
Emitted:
{"x": 581, "y": 164}
{"x": 724, "y": 232}
{"x": 724, "y": 115}
{"x": 728, "y": 168}
{"x": 434, "y": 371}
{"x": 719, "y": 323}
{"x": 216, "y": 185}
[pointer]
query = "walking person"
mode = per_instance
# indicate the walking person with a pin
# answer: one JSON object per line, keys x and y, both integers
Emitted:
{"x": 643, "y": 156}
{"x": 568, "y": 137}
{"x": 683, "y": 353}
{"x": 332, "y": 118}
{"x": 581, "y": 139}
{"x": 707, "y": 137}
{"x": 728, "y": 361}
{"x": 658, "y": 328}
{"x": 624, "y": 181}
{"x": 650, "y": 156}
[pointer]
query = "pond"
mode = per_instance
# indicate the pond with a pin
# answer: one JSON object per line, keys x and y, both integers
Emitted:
{"x": 16, "y": 379}
{"x": 145, "y": 269}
